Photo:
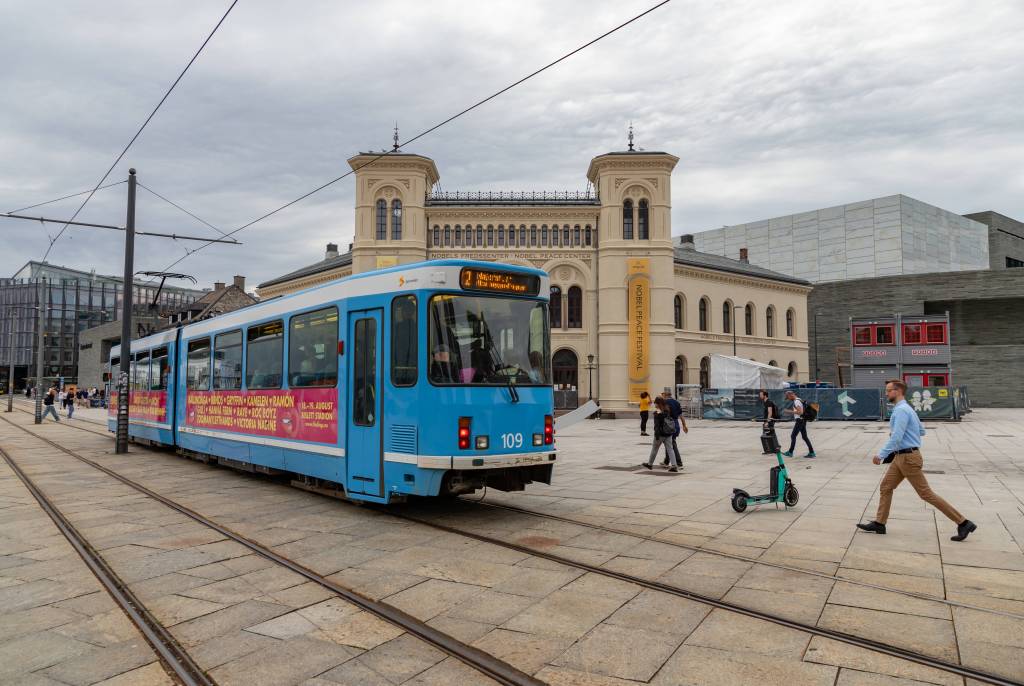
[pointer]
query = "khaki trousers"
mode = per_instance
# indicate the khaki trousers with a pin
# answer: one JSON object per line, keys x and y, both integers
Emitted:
{"x": 908, "y": 466}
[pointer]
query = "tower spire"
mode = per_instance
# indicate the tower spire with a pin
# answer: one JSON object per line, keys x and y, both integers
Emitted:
{"x": 631, "y": 136}
{"x": 395, "y": 139}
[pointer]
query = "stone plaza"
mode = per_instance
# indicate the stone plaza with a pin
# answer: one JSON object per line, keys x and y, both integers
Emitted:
{"x": 245, "y": 621}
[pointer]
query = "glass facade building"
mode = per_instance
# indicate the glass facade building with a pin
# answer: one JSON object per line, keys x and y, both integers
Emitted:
{"x": 72, "y": 301}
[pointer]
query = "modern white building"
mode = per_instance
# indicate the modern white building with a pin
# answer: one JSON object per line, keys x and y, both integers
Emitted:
{"x": 880, "y": 237}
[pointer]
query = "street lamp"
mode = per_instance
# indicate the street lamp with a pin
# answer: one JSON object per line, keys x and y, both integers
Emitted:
{"x": 590, "y": 377}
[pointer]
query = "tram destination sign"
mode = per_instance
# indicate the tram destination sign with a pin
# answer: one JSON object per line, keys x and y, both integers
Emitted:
{"x": 493, "y": 281}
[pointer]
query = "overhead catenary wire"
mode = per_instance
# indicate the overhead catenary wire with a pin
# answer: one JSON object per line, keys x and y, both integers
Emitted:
{"x": 175, "y": 236}
{"x": 138, "y": 133}
{"x": 65, "y": 197}
{"x": 174, "y": 204}
{"x": 433, "y": 128}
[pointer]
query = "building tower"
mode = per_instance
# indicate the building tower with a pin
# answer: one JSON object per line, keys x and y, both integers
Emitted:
{"x": 636, "y": 282}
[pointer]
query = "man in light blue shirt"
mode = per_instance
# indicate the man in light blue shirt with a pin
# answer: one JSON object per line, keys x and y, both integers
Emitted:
{"x": 902, "y": 452}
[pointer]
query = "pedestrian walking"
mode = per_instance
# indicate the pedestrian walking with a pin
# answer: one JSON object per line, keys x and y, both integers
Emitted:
{"x": 70, "y": 404}
{"x": 645, "y": 412}
{"x": 902, "y": 452}
{"x": 799, "y": 426}
{"x": 675, "y": 410}
{"x": 48, "y": 408}
{"x": 664, "y": 429}
{"x": 771, "y": 413}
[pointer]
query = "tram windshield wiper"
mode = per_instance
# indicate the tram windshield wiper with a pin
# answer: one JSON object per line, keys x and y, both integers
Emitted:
{"x": 501, "y": 367}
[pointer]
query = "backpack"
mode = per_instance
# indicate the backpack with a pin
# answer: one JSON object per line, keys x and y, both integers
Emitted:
{"x": 810, "y": 412}
{"x": 666, "y": 426}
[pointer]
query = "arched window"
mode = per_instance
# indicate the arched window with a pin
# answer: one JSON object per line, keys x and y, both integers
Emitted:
{"x": 680, "y": 370}
{"x": 575, "y": 308}
{"x": 458, "y": 235}
{"x": 555, "y": 307}
{"x": 511, "y": 236}
{"x": 790, "y": 323}
{"x": 490, "y": 235}
{"x": 791, "y": 370}
{"x": 522, "y": 235}
{"x": 437, "y": 235}
{"x": 627, "y": 219}
{"x": 727, "y": 316}
{"x": 533, "y": 235}
{"x": 702, "y": 311}
{"x": 677, "y": 311}
{"x": 447, "y": 236}
{"x": 565, "y": 236}
{"x": 769, "y": 322}
{"x": 748, "y": 319}
{"x": 396, "y": 219}
{"x": 586, "y": 236}
{"x": 382, "y": 219}
{"x": 554, "y": 235}
{"x": 480, "y": 235}
{"x": 705, "y": 372}
{"x": 544, "y": 235}
{"x": 642, "y": 227}
{"x": 576, "y": 235}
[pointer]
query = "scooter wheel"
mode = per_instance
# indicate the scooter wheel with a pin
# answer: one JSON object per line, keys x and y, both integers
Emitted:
{"x": 791, "y": 497}
{"x": 739, "y": 502}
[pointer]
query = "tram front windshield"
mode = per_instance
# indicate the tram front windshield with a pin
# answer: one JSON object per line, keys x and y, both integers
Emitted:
{"x": 487, "y": 341}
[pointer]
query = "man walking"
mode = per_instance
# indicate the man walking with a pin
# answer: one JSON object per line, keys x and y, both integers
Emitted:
{"x": 675, "y": 411}
{"x": 799, "y": 426}
{"x": 48, "y": 407}
{"x": 771, "y": 413}
{"x": 902, "y": 452}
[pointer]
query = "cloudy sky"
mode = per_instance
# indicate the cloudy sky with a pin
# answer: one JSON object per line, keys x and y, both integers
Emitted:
{"x": 772, "y": 108}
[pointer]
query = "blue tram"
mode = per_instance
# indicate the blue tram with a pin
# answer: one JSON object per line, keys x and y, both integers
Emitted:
{"x": 424, "y": 379}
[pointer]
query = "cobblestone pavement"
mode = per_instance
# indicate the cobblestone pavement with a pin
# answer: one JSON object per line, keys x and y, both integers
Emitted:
{"x": 247, "y": 621}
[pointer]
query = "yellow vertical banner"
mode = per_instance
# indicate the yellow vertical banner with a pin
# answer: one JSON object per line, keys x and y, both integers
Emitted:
{"x": 638, "y": 315}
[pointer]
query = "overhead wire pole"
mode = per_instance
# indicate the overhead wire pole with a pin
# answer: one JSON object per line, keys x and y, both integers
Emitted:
{"x": 121, "y": 443}
{"x": 431, "y": 129}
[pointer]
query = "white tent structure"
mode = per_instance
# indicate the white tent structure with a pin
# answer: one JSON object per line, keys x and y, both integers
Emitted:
{"x": 736, "y": 372}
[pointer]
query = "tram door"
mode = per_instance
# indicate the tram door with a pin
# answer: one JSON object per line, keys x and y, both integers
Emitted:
{"x": 365, "y": 450}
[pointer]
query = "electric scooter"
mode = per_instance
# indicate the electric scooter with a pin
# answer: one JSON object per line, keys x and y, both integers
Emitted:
{"x": 781, "y": 488}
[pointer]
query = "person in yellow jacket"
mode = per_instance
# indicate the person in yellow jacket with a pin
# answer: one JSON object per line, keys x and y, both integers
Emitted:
{"x": 645, "y": 412}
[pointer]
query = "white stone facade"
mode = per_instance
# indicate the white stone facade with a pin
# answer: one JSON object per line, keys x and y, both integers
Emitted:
{"x": 880, "y": 237}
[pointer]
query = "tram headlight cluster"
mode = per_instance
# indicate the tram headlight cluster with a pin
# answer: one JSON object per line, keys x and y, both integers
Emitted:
{"x": 549, "y": 430}
{"x": 538, "y": 439}
{"x": 464, "y": 431}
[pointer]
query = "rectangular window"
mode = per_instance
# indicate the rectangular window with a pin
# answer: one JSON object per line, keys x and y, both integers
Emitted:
{"x": 885, "y": 334}
{"x": 161, "y": 370}
{"x": 264, "y": 355}
{"x": 522, "y": 236}
{"x": 862, "y": 335}
{"x": 911, "y": 334}
{"x": 140, "y": 372}
{"x": 227, "y": 361}
{"x": 364, "y": 372}
{"x": 313, "y": 349}
{"x": 935, "y": 333}
{"x": 403, "y": 340}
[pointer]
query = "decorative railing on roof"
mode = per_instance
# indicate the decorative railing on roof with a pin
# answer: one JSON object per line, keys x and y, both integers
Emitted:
{"x": 512, "y": 198}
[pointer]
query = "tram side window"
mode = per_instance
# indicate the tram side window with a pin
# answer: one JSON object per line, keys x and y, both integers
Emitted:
{"x": 364, "y": 372}
{"x": 313, "y": 349}
{"x": 140, "y": 372}
{"x": 227, "y": 361}
{"x": 403, "y": 340}
{"x": 161, "y": 370}
{"x": 198, "y": 378}
{"x": 264, "y": 355}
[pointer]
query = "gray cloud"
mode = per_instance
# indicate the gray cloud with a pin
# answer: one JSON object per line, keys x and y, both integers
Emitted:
{"x": 773, "y": 108}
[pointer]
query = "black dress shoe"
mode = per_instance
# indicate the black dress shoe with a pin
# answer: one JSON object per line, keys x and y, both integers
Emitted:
{"x": 963, "y": 528}
{"x": 873, "y": 527}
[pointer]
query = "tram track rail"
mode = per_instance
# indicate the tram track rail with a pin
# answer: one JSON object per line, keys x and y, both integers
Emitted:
{"x": 174, "y": 658}
{"x": 485, "y": 663}
{"x": 699, "y": 549}
{"x": 909, "y": 655}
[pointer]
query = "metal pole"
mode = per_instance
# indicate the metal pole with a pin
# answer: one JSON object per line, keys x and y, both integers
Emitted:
{"x": 41, "y": 312}
{"x": 10, "y": 369}
{"x": 121, "y": 444}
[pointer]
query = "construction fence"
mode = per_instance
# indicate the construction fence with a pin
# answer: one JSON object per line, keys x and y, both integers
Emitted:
{"x": 838, "y": 404}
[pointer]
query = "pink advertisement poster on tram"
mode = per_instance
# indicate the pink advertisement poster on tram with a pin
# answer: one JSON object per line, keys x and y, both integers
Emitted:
{"x": 149, "y": 406}
{"x": 306, "y": 414}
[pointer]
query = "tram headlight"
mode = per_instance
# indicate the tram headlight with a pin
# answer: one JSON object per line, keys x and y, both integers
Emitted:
{"x": 538, "y": 439}
{"x": 464, "y": 432}
{"x": 482, "y": 442}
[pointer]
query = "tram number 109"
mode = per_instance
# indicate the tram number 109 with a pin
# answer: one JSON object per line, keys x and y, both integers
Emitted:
{"x": 511, "y": 440}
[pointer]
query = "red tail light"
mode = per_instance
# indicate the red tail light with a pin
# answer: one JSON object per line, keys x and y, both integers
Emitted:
{"x": 549, "y": 429}
{"x": 464, "y": 431}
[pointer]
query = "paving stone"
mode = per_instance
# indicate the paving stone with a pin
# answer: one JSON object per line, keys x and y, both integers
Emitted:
{"x": 432, "y": 597}
{"x": 933, "y": 637}
{"x": 871, "y": 598}
{"x": 172, "y": 609}
{"x": 359, "y": 630}
{"x": 598, "y": 585}
{"x": 375, "y": 584}
{"x": 491, "y": 607}
{"x": 563, "y": 614}
{"x": 829, "y": 652}
{"x": 38, "y": 651}
{"x": 287, "y": 662}
{"x": 451, "y": 671}
{"x": 537, "y": 583}
{"x": 284, "y": 627}
{"x": 105, "y": 629}
{"x": 103, "y": 663}
{"x": 354, "y": 673}
{"x": 228, "y": 620}
{"x": 562, "y": 676}
{"x": 33, "y": 594}
{"x": 526, "y": 652}
{"x": 33, "y": 620}
{"x": 299, "y": 596}
{"x": 849, "y": 677}
{"x": 697, "y": 666}
{"x": 461, "y": 629}
{"x": 227, "y": 647}
{"x": 149, "y": 675}
{"x": 401, "y": 659}
{"x": 734, "y": 632}
{"x": 626, "y": 653}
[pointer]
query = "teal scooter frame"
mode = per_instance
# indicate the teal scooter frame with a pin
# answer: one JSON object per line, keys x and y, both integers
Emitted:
{"x": 781, "y": 490}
